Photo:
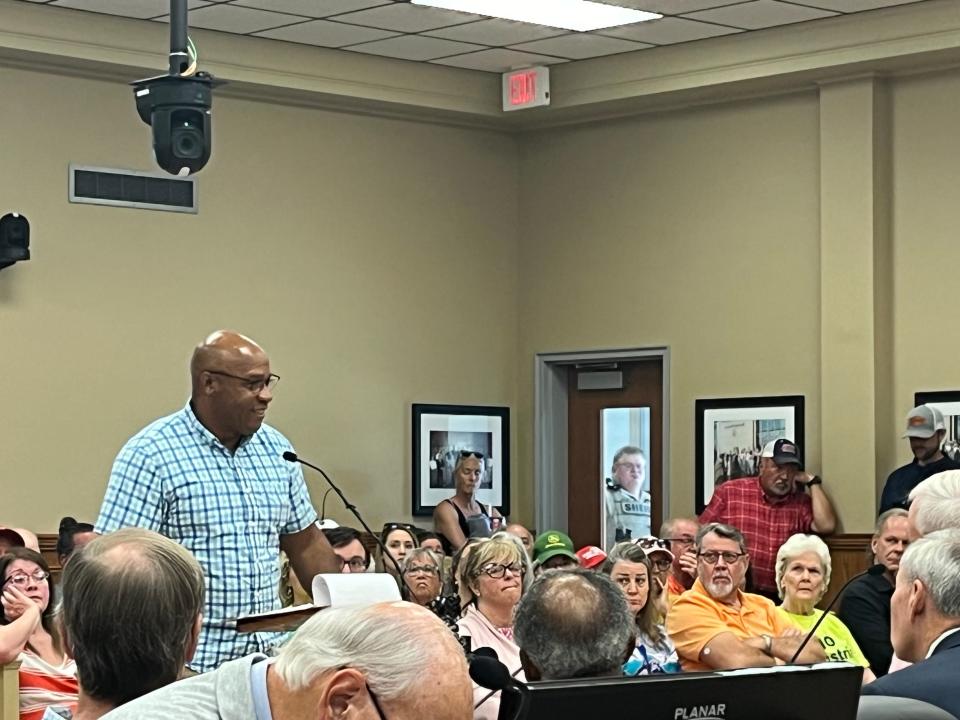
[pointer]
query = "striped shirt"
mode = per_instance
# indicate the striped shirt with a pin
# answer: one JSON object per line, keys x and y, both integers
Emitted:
{"x": 228, "y": 508}
{"x": 43, "y": 685}
{"x": 765, "y": 522}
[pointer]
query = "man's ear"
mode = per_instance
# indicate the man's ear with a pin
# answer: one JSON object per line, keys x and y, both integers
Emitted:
{"x": 917, "y": 602}
{"x": 345, "y": 690}
{"x": 530, "y": 671}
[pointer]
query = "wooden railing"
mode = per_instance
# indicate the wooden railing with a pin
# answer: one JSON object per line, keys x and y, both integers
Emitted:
{"x": 849, "y": 554}
{"x": 10, "y": 691}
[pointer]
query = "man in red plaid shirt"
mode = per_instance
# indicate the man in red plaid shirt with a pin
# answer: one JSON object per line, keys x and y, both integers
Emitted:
{"x": 770, "y": 508}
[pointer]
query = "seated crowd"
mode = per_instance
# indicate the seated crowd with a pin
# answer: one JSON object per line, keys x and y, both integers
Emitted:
{"x": 737, "y": 587}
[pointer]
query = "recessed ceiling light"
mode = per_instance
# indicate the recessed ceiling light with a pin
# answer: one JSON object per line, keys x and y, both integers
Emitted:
{"x": 580, "y": 15}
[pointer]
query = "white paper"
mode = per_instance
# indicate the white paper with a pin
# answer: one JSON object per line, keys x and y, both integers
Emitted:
{"x": 354, "y": 589}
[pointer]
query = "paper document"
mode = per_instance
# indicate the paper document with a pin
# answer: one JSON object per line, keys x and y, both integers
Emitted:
{"x": 354, "y": 589}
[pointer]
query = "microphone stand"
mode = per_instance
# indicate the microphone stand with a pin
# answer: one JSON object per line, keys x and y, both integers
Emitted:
{"x": 291, "y": 456}
{"x": 874, "y": 570}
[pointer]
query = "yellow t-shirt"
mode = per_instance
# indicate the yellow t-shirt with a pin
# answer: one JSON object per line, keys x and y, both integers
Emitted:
{"x": 696, "y": 618}
{"x": 834, "y": 637}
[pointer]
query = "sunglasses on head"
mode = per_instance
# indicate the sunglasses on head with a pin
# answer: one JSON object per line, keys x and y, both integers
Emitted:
{"x": 648, "y": 543}
{"x": 468, "y": 453}
{"x": 390, "y": 527}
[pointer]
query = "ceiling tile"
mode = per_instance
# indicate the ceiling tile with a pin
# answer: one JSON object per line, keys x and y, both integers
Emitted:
{"x": 668, "y": 30}
{"x": 415, "y": 47}
{"x": 849, "y": 6}
{"x": 404, "y": 17}
{"x": 325, "y": 34}
{"x": 126, "y": 8}
{"x": 497, "y": 60}
{"x": 312, "y": 8}
{"x": 759, "y": 14}
{"x": 579, "y": 46}
{"x": 497, "y": 32}
{"x": 234, "y": 19}
{"x": 672, "y": 7}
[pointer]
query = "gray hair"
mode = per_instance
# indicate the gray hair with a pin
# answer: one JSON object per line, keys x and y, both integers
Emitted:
{"x": 417, "y": 554}
{"x": 798, "y": 545}
{"x": 729, "y": 532}
{"x": 145, "y": 585}
{"x": 628, "y": 450}
{"x": 574, "y": 623}
{"x": 387, "y": 642}
{"x": 934, "y": 560}
{"x": 939, "y": 506}
{"x": 884, "y": 516}
{"x": 668, "y": 526}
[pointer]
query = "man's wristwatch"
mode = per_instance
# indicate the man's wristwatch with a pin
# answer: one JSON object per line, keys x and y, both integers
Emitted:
{"x": 767, "y": 644}
{"x": 815, "y": 480}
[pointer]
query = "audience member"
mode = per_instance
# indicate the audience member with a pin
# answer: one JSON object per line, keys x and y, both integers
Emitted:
{"x": 212, "y": 477}
{"x": 715, "y": 625}
{"x": 48, "y": 677}
{"x": 422, "y": 572}
{"x": 148, "y": 587}
{"x": 573, "y": 624}
{"x": 399, "y": 540}
{"x": 351, "y": 553}
{"x": 681, "y": 533}
{"x": 429, "y": 540}
{"x": 935, "y": 504}
{"x": 553, "y": 550}
{"x": 660, "y": 557}
{"x": 463, "y": 516}
{"x": 72, "y": 536}
{"x": 494, "y": 581}
{"x": 768, "y": 509}
{"x": 10, "y": 538}
{"x": 926, "y": 623}
{"x": 391, "y": 660}
{"x": 626, "y": 499}
{"x": 629, "y": 567}
{"x": 591, "y": 557}
{"x": 526, "y": 537}
{"x": 865, "y": 604}
{"x": 803, "y": 576}
{"x": 925, "y": 431}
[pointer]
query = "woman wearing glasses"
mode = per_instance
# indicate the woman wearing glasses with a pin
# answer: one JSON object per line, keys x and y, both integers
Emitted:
{"x": 495, "y": 574}
{"x": 629, "y": 567}
{"x": 422, "y": 574}
{"x": 463, "y": 516}
{"x": 48, "y": 678}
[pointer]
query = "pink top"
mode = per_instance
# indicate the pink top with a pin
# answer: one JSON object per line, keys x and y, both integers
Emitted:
{"x": 482, "y": 633}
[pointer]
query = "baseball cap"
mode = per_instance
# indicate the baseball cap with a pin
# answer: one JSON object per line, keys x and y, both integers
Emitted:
{"x": 782, "y": 451}
{"x": 590, "y": 556}
{"x": 923, "y": 422}
{"x": 553, "y": 543}
{"x": 11, "y": 537}
{"x": 652, "y": 545}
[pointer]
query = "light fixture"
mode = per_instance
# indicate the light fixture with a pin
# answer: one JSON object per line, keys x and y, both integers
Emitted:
{"x": 580, "y": 15}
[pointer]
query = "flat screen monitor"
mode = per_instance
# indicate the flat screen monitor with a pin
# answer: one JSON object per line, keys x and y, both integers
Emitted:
{"x": 829, "y": 691}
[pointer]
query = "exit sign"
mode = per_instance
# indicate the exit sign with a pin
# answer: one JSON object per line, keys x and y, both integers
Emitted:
{"x": 526, "y": 88}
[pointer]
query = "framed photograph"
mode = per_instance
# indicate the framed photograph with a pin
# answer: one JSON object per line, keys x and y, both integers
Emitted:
{"x": 440, "y": 434}
{"x": 731, "y": 432}
{"x": 948, "y": 403}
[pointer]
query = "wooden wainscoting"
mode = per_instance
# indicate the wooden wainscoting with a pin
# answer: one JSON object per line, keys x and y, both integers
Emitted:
{"x": 849, "y": 555}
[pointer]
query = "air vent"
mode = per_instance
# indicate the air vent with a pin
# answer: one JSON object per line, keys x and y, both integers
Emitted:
{"x": 132, "y": 189}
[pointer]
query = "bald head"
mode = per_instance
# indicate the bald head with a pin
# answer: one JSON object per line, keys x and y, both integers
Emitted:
{"x": 231, "y": 383}
{"x": 521, "y": 532}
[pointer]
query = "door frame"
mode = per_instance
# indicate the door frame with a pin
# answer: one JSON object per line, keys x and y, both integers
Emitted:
{"x": 551, "y": 390}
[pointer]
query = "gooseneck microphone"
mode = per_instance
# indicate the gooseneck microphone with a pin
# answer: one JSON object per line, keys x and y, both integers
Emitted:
{"x": 874, "y": 570}
{"x": 291, "y": 456}
{"x": 488, "y": 672}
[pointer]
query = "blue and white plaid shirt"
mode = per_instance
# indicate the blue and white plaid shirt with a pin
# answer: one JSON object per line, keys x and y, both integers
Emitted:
{"x": 227, "y": 508}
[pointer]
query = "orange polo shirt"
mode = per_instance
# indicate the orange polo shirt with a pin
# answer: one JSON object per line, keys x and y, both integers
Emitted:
{"x": 696, "y": 618}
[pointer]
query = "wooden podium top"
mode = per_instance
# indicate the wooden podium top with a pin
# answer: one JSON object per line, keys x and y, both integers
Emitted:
{"x": 289, "y": 618}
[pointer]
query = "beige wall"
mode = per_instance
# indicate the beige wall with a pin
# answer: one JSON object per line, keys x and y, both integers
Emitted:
{"x": 376, "y": 260}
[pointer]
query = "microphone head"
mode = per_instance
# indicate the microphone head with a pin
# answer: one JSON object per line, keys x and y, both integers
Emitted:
{"x": 487, "y": 652}
{"x": 290, "y": 456}
{"x": 489, "y": 673}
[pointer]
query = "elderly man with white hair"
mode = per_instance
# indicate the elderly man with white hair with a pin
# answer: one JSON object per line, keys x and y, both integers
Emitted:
{"x": 925, "y": 612}
{"x": 935, "y": 504}
{"x": 390, "y": 660}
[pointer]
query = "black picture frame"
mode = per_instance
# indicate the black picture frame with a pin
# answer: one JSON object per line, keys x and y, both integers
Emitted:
{"x": 752, "y": 412}
{"x": 439, "y": 432}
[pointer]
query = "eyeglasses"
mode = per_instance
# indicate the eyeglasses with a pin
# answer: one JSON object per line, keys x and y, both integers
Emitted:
{"x": 254, "y": 385}
{"x": 468, "y": 453}
{"x": 660, "y": 563}
{"x": 687, "y": 540}
{"x": 648, "y": 543}
{"x": 426, "y": 569}
{"x": 710, "y": 557}
{"x": 22, "y": 579}
{"x": 498, "y": 570}
{"x": 376, "y": 703}
{"x": 356, "y": 564}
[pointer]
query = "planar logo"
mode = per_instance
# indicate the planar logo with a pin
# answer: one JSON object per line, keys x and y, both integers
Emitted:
{"x": 701, "y": 712}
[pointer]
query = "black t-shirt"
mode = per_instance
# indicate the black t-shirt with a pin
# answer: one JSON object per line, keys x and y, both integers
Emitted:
{"x": 904, "y": 479}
